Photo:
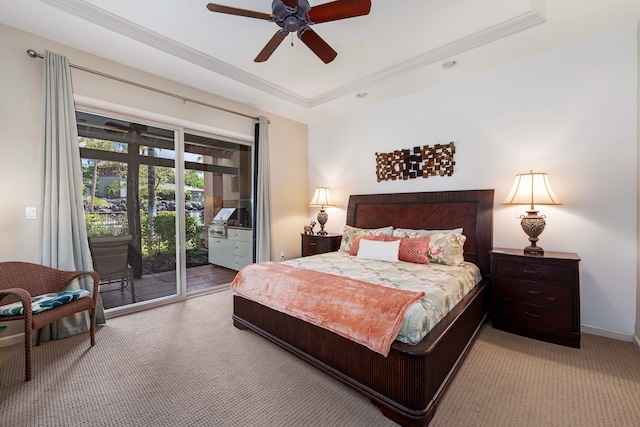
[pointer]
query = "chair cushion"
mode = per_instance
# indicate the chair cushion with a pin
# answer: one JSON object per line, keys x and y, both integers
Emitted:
{"x": 44, "y": 302}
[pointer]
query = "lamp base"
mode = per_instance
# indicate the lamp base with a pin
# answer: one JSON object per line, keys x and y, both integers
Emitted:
{"x": 533, "y": 225}
{"x": 533, "y": 250}
{"x": 322, "y": 220}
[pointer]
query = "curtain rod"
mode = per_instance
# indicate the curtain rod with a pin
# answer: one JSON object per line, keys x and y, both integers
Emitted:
{"x": 33, "y": 54}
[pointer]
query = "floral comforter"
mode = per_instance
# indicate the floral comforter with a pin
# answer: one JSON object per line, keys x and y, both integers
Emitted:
{"x": 444, "y": 286}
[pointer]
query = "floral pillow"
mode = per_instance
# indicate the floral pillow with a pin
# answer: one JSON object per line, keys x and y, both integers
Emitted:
{"x": 349, "y": 233}
{"x": 446, "y": 248}
{"x": 409, "y": 233}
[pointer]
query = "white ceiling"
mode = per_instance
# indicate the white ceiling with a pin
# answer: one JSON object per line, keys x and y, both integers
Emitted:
{"x": 397, "y": 49}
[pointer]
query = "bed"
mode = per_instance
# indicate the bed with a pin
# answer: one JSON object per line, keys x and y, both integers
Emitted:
{"x": 407, "y": 384}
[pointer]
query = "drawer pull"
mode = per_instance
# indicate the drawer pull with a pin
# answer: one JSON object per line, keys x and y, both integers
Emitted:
{"x": 312, "y": 243}
{"x": 531, "y": 271}
{"x": 532, "y": 314}
{"x": 531, "y": 292}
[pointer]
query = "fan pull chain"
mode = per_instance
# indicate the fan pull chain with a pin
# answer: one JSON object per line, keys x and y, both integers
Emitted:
{"x": 291, "y": 39}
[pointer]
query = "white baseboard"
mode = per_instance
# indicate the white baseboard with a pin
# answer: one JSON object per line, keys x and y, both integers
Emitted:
{"x": 11, "y": 340}
{"x": 616, "y": 335}
{"x": 636, "y": 340}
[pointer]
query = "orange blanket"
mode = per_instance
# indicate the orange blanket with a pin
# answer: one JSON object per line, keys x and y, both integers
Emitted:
{"x": 368, "y": 314}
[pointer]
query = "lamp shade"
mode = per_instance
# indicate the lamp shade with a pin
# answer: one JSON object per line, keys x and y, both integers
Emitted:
{"x": 322, "y": 197}
{"x": 531, "y": 188}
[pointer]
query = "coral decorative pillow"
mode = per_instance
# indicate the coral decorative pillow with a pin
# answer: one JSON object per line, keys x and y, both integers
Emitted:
{"x": 413, "y": 249}
{"x": 355, "y": 245}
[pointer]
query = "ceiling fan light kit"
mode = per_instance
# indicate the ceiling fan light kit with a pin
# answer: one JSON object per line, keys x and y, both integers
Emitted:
{"x": 297, "y": 16}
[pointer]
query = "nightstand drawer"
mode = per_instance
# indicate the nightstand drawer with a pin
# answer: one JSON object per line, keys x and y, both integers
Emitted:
{"x": 312, "y": 248}
{"x": 535, "y": 315}
{"x": 532, "y": 271}
{"x": 314, "y": 244}
{"x": 534, "y": 292}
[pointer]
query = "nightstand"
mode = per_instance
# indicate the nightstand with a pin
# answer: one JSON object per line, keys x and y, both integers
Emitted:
{"x": 537, "y": 296}
{"x": 313, "y": 244}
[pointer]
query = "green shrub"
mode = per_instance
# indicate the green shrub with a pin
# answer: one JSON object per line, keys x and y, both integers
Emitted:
{"x": 105, "y": 225}
{"x": 113, "y": 190}
{"x": 151, "y": 242}
{"x": 164, "y": 225}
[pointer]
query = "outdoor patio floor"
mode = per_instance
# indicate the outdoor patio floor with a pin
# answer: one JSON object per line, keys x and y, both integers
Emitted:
{"x": 158, "y": 285}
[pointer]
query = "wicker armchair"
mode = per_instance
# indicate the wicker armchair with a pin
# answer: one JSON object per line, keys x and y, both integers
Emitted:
{"x": 21, "y": 281}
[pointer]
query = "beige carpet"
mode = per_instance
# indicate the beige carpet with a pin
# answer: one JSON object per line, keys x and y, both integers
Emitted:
{"x": 186, "y": 365}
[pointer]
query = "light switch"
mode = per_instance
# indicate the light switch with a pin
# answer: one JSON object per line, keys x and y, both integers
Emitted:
{"x": 31, "y": 212}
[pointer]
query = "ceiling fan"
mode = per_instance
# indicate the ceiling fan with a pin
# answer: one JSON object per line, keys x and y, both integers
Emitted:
{"x": 297, "y": 15}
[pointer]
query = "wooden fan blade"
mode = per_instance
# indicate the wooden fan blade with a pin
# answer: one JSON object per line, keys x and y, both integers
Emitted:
{"x": 340, "y": 9}
{"x": 238, "y": 12}
{"x": 271, "y": 46}
{"x": 318, "y": 46}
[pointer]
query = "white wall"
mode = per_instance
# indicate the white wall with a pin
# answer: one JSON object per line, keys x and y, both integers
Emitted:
{"x": 571, "y": 113}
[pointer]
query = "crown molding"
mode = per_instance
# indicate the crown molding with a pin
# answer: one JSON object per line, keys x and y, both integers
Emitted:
{"x": 81, "y": 9}
{"x": 499, "y": 31}
{"x": 107, "y": 20}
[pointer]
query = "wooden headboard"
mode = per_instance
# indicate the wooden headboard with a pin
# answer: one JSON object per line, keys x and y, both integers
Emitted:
{"x": 470, "y": 209}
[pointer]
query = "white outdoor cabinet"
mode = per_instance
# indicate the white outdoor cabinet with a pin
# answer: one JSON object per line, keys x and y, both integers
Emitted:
{"x": 235, "y": 251}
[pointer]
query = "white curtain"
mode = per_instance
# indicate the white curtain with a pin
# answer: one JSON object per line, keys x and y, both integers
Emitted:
{"x": 264, "y": 243}
{"x": 64, "y": 242}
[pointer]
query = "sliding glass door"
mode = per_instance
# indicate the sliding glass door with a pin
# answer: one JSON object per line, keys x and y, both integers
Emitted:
{"x": 135, "y": 190}
{"x": 217, "y": 179}
{"x": 129, "y": 190}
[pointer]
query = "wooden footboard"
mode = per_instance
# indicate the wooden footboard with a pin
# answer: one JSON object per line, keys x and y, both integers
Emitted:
{"x": 407, "y": 384}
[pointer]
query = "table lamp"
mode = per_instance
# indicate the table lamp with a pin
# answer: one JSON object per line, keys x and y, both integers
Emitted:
{"x": 532, "y": 188}
{"x": 322, "y": 197}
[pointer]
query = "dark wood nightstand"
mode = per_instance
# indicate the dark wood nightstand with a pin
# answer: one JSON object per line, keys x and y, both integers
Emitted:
{"x": 537, "y": 296}
{"x": 313, "y": 244}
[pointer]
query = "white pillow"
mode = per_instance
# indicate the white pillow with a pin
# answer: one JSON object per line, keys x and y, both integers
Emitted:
{"x": 379, "y": 251}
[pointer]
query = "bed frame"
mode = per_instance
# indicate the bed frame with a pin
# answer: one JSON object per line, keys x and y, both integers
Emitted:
{"x": 408, "y": 383}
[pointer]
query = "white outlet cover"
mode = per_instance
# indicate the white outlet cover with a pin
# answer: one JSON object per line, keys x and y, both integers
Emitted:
{"x": 31, "y": 212}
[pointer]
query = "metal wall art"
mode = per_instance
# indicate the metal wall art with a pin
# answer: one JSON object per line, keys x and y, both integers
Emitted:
{"x": 422, "y": 162}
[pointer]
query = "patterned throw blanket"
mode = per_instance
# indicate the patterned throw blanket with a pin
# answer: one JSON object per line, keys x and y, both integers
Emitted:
{"x": 368, "y": 314}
